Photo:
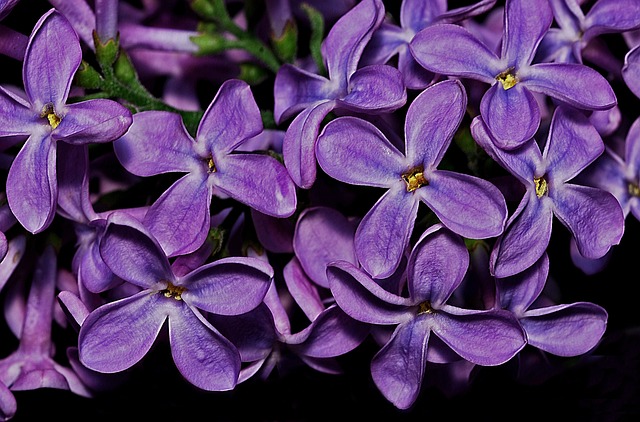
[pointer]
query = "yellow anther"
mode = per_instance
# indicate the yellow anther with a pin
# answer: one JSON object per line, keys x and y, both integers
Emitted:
{"x": 634, "y": 189}
{"x": 211, "y": 165}
{"x": 541, "y": 186}
{"x": 425, "y": 308}
{"x": 414, "y": 179}
{"x": 51, "y": 116}
{"x": 507, "y": 78}
{"x": 173, "y": 291}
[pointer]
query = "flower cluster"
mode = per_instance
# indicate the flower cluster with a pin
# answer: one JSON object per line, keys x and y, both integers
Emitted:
{"x": 251, "y": 189}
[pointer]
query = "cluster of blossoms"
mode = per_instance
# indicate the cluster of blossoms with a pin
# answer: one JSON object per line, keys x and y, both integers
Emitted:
{"x": 275, "y": 214}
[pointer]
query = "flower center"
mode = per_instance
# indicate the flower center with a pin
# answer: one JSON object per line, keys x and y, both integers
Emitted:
{"x": 507, "y": 78}
{"x": 425, "y": 308}
{"x": 211, "y": 165}
{"x": 49, "y": 113}
{"x": 541, "y": 186}
{"x": 173, "y": 291}
{"x": 634, "y": 189}
{"x": 414, "y": 178}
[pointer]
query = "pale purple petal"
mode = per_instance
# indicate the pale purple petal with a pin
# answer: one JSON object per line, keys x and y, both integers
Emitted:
{"x": 228, "y": 286}
{"x": 202, "y": 355}
{"x": 384, "y": 232}
{"x": 568, "y": 14}
{"x": 575, "y": 84}
{"x": 231, "y": 118}
{"x": 259, "y": 181}
{"x": 157, "y": 142}
{"x": 93, "y": 121}
{"x": 566, "y": 330}
{"x": 416, "y": 14}
{"x": 31, "y": 183}
{"x": 398, "y": 368}
{"x": 387, "y": 41}
{"x": 52, "y": 58}
{"x": 8, "y": 403}
{"x": 437, "y": 266}
{"x": 15, "y": 116}
{"x": 119, "y": 334}
{"x": 354, "y": 151}
{"x": 450, "y": 49}
{"x": 302, "y": 289}
{"x": 432, "y": 119}
{"x": 295, "y": 89}
{"x": 469, "y": 206}
{"x": 611, "y": 16}
{"x": 518, "y": 292}
{"x": 512, "y": 115}
{"x": 375, "y": 89}
{"x": 593, "y": 216}
{"x": 522, "y": 33}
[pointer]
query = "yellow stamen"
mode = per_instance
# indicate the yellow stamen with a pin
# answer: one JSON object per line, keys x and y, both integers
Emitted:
{"x": 507, "y": 78}
{"x": 50, "y": 114}
{"x": 414, "y": 178}
{"x": 541, "y": 186}
{"x": 634, "y": 189}
{"x": 173, "y": 291}
{"x": 425, "y": 308}
{"x": 211, "y": 165}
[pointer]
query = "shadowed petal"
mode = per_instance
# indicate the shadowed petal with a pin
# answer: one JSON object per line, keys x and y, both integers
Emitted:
{"x": 15, "y": 116}
{"x": 93, "y": 121}
{"x": 415, "y": 14}
{"x": 31, "y": 183}
{"x": 519, "y": 291}
{"x": 383, "y": 233}
{"x": 398, "y": 368}
{"x": 631, "y": 70}
{"x": 53, "y": 55}
{"x": 522, "y": 33}
{"x": 302, "y": 289}
{"x": 632, "y": 147}
{"x": 575, "y": 84}
{"x": 202, "y": 355}
{"x": 512, "y": 115}
{"x": 8, "y": 404}
{"x": 607, "y": 16}
{"x": 593, "y": 216}
{"x": 375, "y": 89}
{"x": 295, "y": 89}
{"x": 566, "y": 330}
{"x": 354, "y": 151}
{"x": 119, "y": 334}
{"x": 469, "y": 206}
{"x": 414, "y": 76}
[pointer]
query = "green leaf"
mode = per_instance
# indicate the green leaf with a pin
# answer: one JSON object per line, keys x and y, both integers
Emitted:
{"x": 317, "y": 35}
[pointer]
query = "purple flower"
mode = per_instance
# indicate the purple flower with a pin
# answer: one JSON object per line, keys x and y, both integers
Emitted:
{"x": 158, "y": 142}
{"x": 51, "y": 60}
{"x": 562, "y": 330}
{"x": 593, "y": 216}
{"x": 354, "y": 151}
{"x": 436, "y": 267}
{"x": 509, "y": 108}
{"x": 371, "y": 90}
{"x": 117, "y": 335}
{"x": 631, "y": 70}
{"x": 391, "y": 40}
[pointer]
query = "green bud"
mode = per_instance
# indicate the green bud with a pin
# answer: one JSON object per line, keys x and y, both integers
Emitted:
{"x": 252, "y": 73}
{"x": 286, "y": 45}
{"x": 124, "y": 69}
{"x": 106, "y": 52}
{"x": 210, "y": 9}
{"x": 87, "y": 77}
{"x": 210, "y": 44}
{"x": 317, "y": 35}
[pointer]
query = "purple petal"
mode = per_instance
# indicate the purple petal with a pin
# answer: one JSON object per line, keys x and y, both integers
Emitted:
{"x": 259, "y": 181}
{"x": 31, "y": 183}
{"x": 119, "y": 334}
{"x": 611, "y": 16}
{"x": 179, "y": 219}
{"x": 631, "y": 70}
{"x": 275, "y": 234}
{"x": 299, "y": 143}
{"x": 519, "y": 291}
{"x": 416, "y": 14}
{"x": 632, "y": 146}
{"x": 383, "y": 233}
{"x": 228, "y": 286}
{"x": 322, "y": 235}
{"x": 387, "y": 41}
{"x": 73, "y": 183}
{"x": 398, "y": 368}
{"x": 432, "y": 119}
{"x": 573, "y": 144}
{"x": 512, "y": 115}
{"x": 593, "y": 216}
{"x": 525, "y": 238}
{"x": 157, "y": 142}
{"x": 375, "y": 89}
{"x": 231, "y": 118}
{"x": 566, "y": 330}
{"x": 521, "y": 33}
{"x": 363, "y": 299}
{"x": 437, "y": 265}
{"x": 567, "y": 14}
{"x": 93, "y": 121}
{"x": 415, "y": 77}
{"x": 575, "y": 84}
{"x": 8, "y": 403}
{"x": 295, "y": 89}
{"x": 132, "y": 254}
{"x": 485, "y": 338}
{"x": 463, "y": 13}
{"x": 302, "y": 289}
{"x": 16, "y": 118}
{"x": 354, "y": 151}
{"x": 52, "y": 58}
{"x": 202, "y": 355}
{"x": 450, "y": 49}
{"x": 469, "y": 206}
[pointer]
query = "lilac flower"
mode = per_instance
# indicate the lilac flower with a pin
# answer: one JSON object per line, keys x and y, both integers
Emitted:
{"x": 437, "y": 265}
{"x": 391, "y": 39}
{"x": 371, "y": 90}
{"x": 563, "y": 330}
{"x": 354, "y": 151}
{"x": 117, "y": 335}
{"x": 508, "y": 107}
{"x": 51, "y": 59}
{"x": 593, "y": 216}
{"x": 158, "y": 142}
{"x": 631, "y": 70}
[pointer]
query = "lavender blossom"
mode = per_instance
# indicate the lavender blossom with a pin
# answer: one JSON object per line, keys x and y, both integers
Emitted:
{"x": 593, "y": 216}
{"x": 437, "y": 265}
{"x": 51, "y": 59}
{"x": 354, "y": 151}
{"x": 508, "y": 107}
{"x": 117, "y": 335}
